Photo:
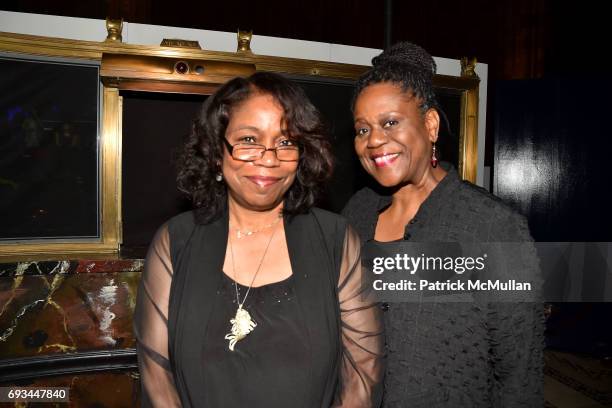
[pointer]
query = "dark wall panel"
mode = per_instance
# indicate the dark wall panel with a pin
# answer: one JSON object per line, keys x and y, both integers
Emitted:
{"x": 154, "y": 126}
{"x": 552, "y": 145}
{"x": 552, "y": 163}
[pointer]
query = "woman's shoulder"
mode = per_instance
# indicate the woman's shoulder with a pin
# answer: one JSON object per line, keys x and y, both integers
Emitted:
{"x": 364, "y": 194}
{"x": 329, "y": 226}
{"x": 184, "y": 221}
{"x": 327, "y": 216}
{"x": 329, "y": 223}
{"x": 365, "y": 199}
{"x": 179, "y": 229}
{"x": 362, "y": 209}
{"x": 490, "y": 209}
{"x": 478, "y": 198}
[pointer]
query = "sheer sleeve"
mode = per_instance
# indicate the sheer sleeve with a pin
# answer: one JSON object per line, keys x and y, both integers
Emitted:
{"x": 151, "y": 325}
{"x": 362, "y": 366}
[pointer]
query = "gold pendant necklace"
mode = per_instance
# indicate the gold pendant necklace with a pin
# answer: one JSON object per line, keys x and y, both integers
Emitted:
{"x": 242, "y": 323}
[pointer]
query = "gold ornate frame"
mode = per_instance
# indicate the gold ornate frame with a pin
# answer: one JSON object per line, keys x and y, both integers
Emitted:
{"x": 127, "y": 66}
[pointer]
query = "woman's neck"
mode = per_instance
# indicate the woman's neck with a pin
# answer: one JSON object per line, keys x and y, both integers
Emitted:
{"x": 247, "y": 219}
{"x": 410, "y": 196}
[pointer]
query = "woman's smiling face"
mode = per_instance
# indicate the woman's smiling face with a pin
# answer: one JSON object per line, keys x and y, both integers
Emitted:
{"x": 259, "y": 184}
{"x": 393, "y": 139}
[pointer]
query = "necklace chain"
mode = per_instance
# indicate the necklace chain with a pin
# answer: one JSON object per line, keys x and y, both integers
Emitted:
{"x": 246, "y": 233}
{"x": 256, "y": 272}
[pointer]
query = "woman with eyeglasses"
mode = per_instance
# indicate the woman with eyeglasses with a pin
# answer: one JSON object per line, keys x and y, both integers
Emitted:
{"x": 254, "y": 298}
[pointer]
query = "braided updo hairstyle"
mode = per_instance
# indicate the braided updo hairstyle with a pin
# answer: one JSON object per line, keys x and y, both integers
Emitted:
{"x": 405, "y": 64}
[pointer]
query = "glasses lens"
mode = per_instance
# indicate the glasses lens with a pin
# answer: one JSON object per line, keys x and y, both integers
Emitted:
{"x": 254, "y": 152}
{"x": 288, "y": 153}
{"x": 245, "y": 152}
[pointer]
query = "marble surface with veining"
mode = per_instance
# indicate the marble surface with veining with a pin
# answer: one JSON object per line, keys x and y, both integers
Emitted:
{"x": 67, "y": 306}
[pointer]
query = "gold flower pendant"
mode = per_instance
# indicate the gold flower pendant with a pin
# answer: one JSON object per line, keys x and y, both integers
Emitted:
{"x": 242, "y": 324}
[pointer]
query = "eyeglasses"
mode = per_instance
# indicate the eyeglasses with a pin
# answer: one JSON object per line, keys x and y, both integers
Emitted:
{"x": 252, "y": 151}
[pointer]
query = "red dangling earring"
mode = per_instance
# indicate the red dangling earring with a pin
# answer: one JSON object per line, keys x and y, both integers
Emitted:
{"x": 434, "y": 159}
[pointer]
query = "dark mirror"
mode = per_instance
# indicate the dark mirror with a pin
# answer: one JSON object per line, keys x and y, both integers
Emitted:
{"x": 48, "y": 150}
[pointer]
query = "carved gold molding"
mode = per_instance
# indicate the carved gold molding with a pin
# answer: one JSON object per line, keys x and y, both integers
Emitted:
{"x": 175, "y": 42}
{"x": 110, "y": 198}
{"x": 469, "y": 121}
{"x": 167, "y": 74}
{"x": 59, "y": 47}
{"x": 468, "y": 136}
{"x": 468, "y": 160}
{"x": 114, "y": 28}
{"x": 110, "y": 168}
{"x": 468, "y": 67}
{"x": 244, "y": 41}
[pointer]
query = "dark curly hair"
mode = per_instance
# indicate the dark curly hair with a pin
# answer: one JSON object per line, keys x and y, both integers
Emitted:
{"x": 199, "y": 159}
{"x": 407, "y": 65}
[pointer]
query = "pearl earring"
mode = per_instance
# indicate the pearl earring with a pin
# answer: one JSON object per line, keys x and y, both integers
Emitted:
{"x": 434, "y": 157}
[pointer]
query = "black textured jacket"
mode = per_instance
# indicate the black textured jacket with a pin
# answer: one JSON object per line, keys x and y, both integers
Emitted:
{"x": 458, "y": 354}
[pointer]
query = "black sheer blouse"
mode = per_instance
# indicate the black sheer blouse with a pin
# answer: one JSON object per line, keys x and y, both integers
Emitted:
{"x": 276, "y": 353}
{"x": 317, "y": 338}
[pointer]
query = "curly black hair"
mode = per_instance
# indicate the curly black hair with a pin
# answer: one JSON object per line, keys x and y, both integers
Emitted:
{"x": 200, "y": 158}
{"x": 407, "y": 65}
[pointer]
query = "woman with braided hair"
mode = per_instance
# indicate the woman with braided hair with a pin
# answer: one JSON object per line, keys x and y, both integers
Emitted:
{"x": 439, "y": 354}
